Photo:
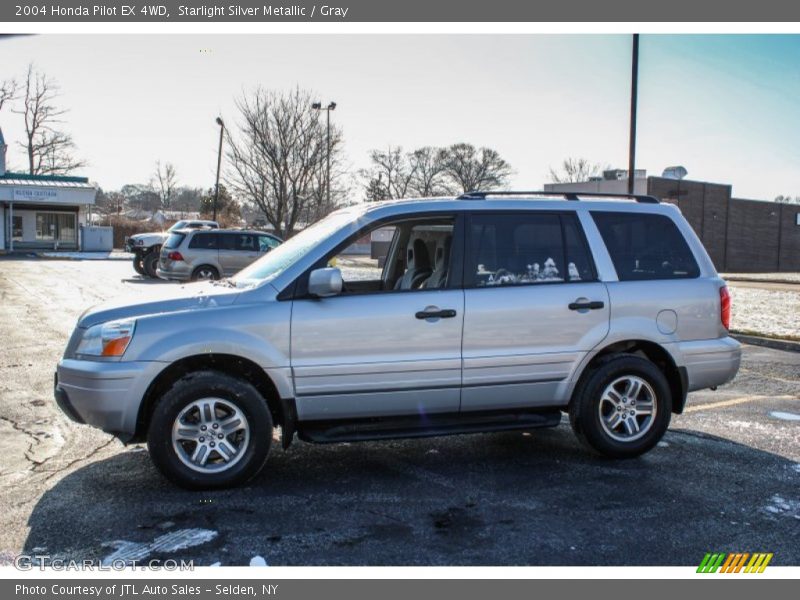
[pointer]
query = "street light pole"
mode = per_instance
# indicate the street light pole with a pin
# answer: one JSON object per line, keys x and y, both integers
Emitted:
{"x": 219, "y": 164}
{"x": 331, "y": 106}
{"x": 634, "y": 97}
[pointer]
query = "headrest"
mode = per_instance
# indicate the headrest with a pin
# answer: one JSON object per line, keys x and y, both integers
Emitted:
{"x": 421, "y": 258}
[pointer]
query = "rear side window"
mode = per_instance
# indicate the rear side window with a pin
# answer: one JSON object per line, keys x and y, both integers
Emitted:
{"x": 243, "y": 242}
{"x": 174, "y": 240}
{"x": 204, "y": 241}
{"x": 526, "y": 248}
{"x": 645, "y": 246}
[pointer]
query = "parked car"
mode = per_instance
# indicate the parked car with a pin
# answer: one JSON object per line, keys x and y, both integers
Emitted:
{"x": 488, "y": 313}
{"x": 191, "y": 255}
{"x": 147, "y": 246}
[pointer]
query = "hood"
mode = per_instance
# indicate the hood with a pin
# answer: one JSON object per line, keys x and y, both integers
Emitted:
{"x": 166, "y": 299}
{"x": 150, "y": 235}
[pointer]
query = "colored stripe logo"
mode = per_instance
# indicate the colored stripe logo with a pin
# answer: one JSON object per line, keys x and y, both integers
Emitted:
{"x": 734, "y": 562}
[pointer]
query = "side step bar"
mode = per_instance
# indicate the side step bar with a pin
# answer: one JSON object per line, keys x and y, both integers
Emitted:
{"x": 423, "y": 425}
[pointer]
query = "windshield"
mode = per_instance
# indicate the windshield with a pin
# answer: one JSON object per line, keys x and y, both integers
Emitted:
{"x": 178, "y": 225}
{"x": 291, "y": 251}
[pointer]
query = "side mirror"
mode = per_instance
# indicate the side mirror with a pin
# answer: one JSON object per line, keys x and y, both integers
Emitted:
{"x": 325, "y": 282}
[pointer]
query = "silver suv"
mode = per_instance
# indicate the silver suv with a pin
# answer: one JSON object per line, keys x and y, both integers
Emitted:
{"x": 146, "y": 247}
{"x": 192, "y": 255}
{"x": 491, "y": 311}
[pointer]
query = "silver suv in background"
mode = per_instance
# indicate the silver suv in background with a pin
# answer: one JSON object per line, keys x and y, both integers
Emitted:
{"x": 146, "y": 247}
{"x": 491, "y": 311}
{"x": 191, "y": 255}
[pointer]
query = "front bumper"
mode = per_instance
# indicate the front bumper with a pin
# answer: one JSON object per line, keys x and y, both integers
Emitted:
{"x": 106, "y": 395}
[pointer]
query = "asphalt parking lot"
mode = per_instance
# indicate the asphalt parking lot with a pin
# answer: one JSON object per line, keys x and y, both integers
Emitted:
{"x": 725, "y": 478}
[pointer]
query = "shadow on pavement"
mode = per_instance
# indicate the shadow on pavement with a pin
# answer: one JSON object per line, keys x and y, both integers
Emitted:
{"x": 490, "y": 499}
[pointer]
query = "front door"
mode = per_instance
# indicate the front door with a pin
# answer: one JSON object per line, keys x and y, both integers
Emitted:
{"x": 533, "y": 309}
{"x": 390, "y": 344}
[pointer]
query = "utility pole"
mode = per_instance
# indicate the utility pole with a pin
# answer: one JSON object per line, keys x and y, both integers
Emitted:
{"x": 219, "y": 164}
{"x": 634, "y": 97}
{"x": 331, "y": 106}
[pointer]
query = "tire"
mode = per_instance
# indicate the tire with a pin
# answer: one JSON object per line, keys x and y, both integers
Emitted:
{"x": 611, "y": 417}
{"x": 138, "y": 266}
{"x": 150, "y": 263}
{"x": 172, "y": 448}
{"x": 205, "y": 273}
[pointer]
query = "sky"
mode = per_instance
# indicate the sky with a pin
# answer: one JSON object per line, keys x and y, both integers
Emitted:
{"x": 726, "y": 107}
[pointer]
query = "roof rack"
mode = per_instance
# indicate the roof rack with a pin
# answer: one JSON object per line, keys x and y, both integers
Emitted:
{"x": 480, "y": 195}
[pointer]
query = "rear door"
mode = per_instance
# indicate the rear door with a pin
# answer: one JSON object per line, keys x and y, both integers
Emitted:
{"x": 533, "y": 308}
{"x": 237, "y": 250}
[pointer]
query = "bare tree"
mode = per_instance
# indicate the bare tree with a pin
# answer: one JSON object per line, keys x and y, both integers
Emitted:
{"x": 469, "y": 168}
{"x": 165, "y": 180}
{"x": 389, "y": 175}
{"x": 275, "y": 158}
{"x": 574, "y": 170}
{"x": 428, "y": 169}
{"x": 787, "y": 199}
{"x": 50, "y": 151}
{"x": 8, "y": 92}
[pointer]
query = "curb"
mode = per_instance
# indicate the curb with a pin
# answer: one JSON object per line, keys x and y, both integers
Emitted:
{"x": 775, "y": 344}
{"x": 50, "y": 256}
{"x": 757, "y": 280}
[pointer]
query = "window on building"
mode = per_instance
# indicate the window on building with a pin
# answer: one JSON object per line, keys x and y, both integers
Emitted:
{"x": 526, "y": 248}
{"x": 16, "y": 228}
{"x": 59, "y": 227}
{"x": 645, "y": 246}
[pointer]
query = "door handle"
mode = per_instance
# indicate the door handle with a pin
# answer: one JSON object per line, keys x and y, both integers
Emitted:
{"x": 447, "y": 313}
{"x": 593, "y": 305}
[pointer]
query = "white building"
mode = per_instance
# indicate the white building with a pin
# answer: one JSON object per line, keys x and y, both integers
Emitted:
{"x": 41, "y": 211}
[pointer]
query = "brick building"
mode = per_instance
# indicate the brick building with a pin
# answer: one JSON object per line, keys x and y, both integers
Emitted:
{"x": 740, "y": 235}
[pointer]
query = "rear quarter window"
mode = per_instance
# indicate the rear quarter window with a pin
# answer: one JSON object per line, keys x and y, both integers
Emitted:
{"x": 646, "y": 246}
{"x": 174, "y": 240}
{"x": 204, "y": 241}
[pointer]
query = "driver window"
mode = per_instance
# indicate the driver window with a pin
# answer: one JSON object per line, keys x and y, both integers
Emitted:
{"x": 363, "y": 260}
{"x": 411, "y": 255}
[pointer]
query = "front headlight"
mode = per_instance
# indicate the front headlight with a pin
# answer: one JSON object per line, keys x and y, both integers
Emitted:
{"x": 107, "y": 339}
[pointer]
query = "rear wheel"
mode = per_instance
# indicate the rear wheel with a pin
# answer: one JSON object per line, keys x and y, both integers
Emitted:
{"x": 137, "y": 264}
{"x": 623, "y": 407}
{"x": 210, "y": 430}
{"x": 205, "y": 272}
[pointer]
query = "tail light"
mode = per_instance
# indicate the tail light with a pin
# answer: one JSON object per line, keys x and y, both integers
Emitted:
{"x": 725, "y": 307}
{"x": 175, "y": 256}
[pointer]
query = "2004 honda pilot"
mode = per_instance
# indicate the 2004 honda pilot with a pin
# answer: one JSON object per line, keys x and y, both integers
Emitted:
{"x": 491, "y": 311}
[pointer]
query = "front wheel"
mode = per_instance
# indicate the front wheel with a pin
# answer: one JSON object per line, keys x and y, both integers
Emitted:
{"x": 210, "y": 430}
{"x": 623, "y": 407}
{"x": 138, "y": 266}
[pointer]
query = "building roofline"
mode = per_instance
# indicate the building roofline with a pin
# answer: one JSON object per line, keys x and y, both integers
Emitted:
{"x": 45, "y": 178}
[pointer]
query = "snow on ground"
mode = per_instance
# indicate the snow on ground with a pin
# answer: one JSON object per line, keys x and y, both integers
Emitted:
{"x": 769, "y": 312}
{"x": 794, "y": 277}
{"x": 113, "y": 255}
